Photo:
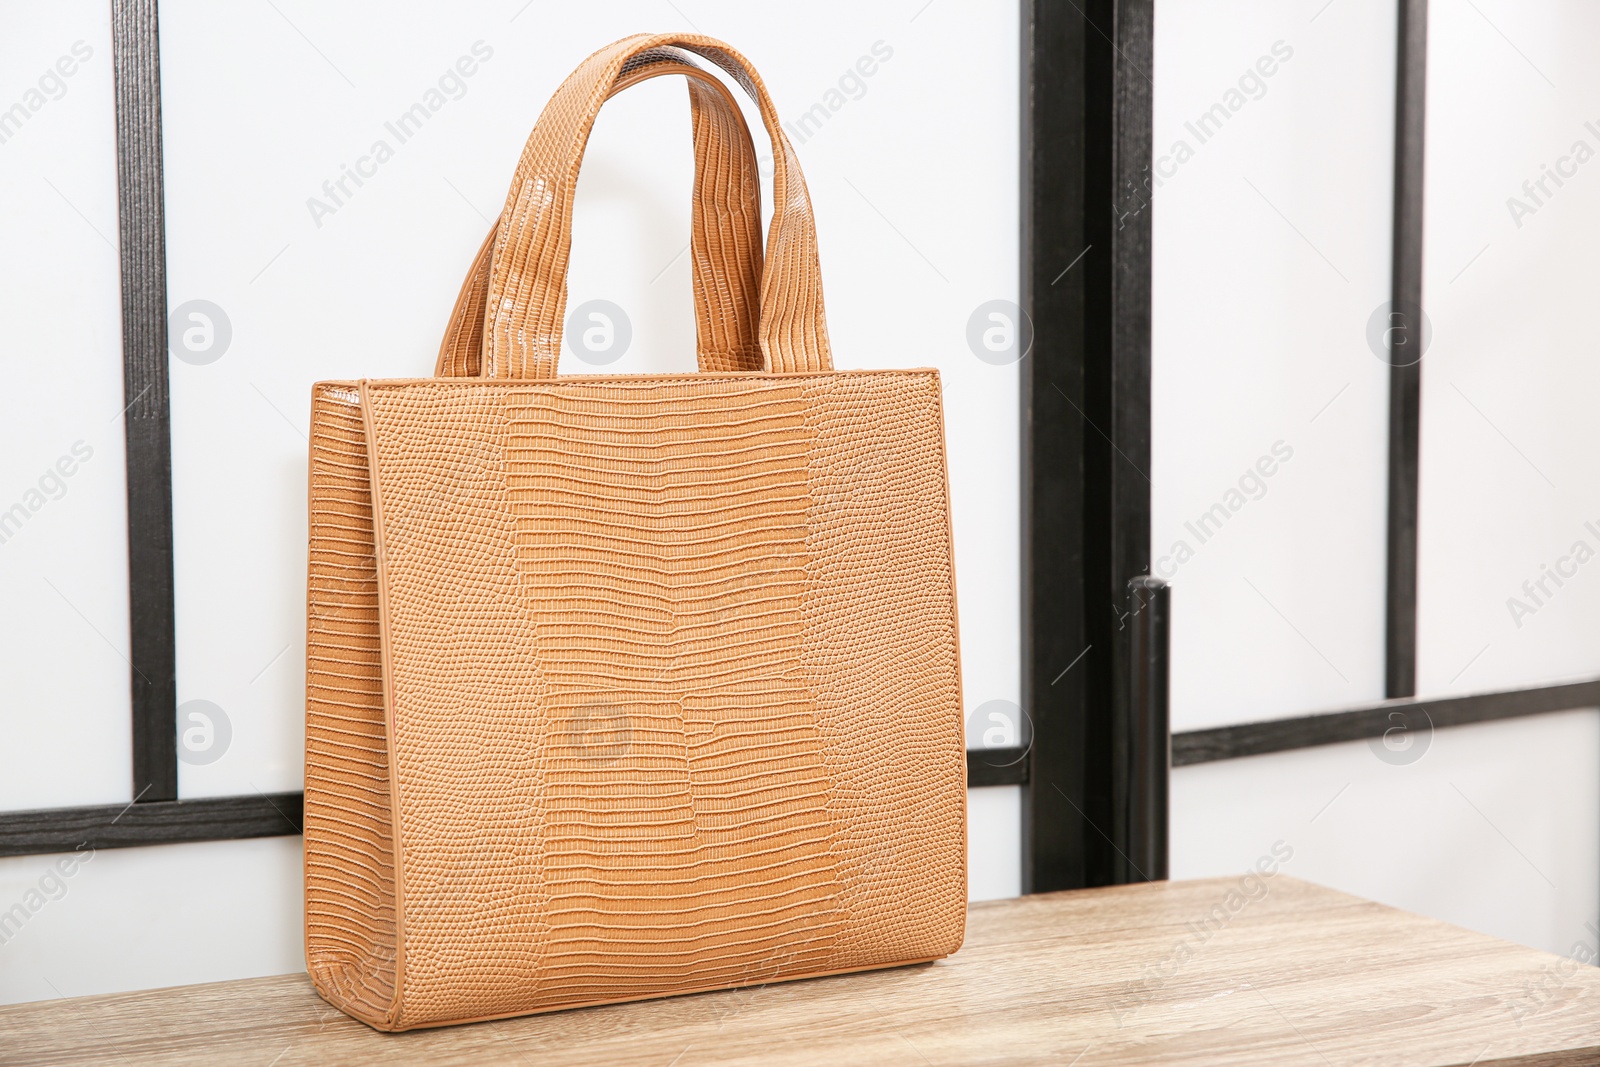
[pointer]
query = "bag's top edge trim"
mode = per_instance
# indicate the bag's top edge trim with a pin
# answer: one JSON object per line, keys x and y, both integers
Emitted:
{"x": 614, "y": 379}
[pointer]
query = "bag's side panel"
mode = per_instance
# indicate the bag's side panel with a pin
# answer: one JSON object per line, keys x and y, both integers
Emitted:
{"x": 349, "y": 861}
{"x": 469, "y": 709}
{"x": 881, "y": 650}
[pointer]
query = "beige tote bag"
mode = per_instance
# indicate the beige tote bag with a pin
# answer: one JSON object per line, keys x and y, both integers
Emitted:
{"x": 626, "y": 686}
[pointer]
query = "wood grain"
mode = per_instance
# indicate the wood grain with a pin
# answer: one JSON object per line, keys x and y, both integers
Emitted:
{"x": 1275, "y": 971}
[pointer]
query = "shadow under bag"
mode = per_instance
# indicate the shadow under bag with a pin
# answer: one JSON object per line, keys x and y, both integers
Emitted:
{"x": 626, "y": 686}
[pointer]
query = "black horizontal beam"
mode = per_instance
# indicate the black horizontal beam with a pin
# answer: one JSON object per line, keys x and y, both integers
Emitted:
{"x": 164, "y": 822}
{"x": 31, "y": 833}
{"x": 997, "y": 766}
{"x": 24, "y": 833}
{"x": 1358, "y": 724}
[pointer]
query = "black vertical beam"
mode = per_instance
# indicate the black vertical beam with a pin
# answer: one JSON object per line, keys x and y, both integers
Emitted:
{"x": 1085, "y": 275}
{"x": 1117, "y": 388}
{"x": 1405, "y": 381}
{"x": 1054, "y": 245}
{"x": 1054, "y": 235}
{"x": 142, "y": 229}
{"x": 1143, "y": 743}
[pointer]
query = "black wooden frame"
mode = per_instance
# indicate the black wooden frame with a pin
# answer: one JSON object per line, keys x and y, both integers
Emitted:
{"x": 1405, "y": 374}
{"x": 164, "y": 822}
{"x": 1085, "y": 395}
{"x": 1411, "y": 714}
{"x": 1093, "y": 677}
{"x": 156, "y": 815}
{"x": 1087, "y": 97}
{"x": 142, "y": 226}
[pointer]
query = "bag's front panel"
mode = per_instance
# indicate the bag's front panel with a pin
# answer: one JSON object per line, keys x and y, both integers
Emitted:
{"x": 349, "y": 858}
{"x": 674, "y": 689}
{"x": 662, "y": 546}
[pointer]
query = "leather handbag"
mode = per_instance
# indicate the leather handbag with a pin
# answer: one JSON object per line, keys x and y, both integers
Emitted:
{"x": 632, "y": 685}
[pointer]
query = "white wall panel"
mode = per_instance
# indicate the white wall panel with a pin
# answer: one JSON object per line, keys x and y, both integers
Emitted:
{"x": 142, "y": 918}
{"x": 1510, "y": 476}
{"x": 63, "y": 517}
{"x": 994, "y": 842}
{"x": 1271, "y": 255}
{"x": 1494, "y": 827}
{"x": 1273, "y": 143}
{"x": 263, "y": 105}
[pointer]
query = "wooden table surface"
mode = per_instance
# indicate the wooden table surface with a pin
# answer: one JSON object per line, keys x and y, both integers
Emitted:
{"x": 1276, "y": 971}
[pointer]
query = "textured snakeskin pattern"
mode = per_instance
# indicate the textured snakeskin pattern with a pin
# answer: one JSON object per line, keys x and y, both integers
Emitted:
{"x": 629, "y": 686}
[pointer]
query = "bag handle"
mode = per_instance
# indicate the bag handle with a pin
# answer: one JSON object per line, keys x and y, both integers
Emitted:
{"x": 725, "y": 246}
{"x": 527, "y": 277}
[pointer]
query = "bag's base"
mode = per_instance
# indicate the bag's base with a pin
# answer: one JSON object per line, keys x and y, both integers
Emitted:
{"x": 380, "y": 1024}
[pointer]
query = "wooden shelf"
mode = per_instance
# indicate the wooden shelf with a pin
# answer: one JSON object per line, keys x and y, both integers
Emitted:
{"x": 1275, "y": 972}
